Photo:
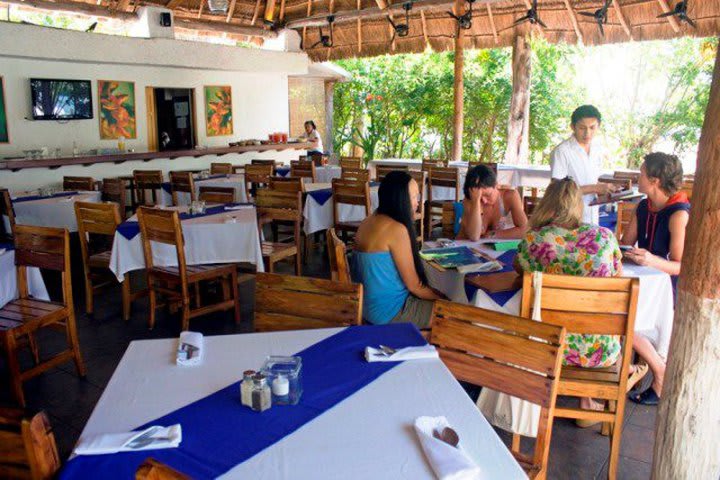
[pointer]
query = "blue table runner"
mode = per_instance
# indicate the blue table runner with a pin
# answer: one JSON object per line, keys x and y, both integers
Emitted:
{"x": 219, "y": 433}
{"x": 501, "y": 298}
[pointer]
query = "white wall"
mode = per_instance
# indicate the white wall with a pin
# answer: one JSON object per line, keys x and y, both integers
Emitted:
{"x": 258, "y": 79}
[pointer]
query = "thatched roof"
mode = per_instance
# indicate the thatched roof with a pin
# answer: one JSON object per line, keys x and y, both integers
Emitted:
{"x": 429, "y": 22}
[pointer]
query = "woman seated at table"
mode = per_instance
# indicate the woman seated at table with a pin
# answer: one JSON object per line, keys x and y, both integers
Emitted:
{"x": 658, "y": 226}
{"x": 386, "y": 259}
{"x": 489, "y": 211}
{"x": 559, "y": 243}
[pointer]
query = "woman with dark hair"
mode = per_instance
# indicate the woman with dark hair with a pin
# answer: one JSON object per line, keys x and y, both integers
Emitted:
{"x": 489, "y": 211}
{"x": 386, "y": 258}
{"x": 312, "y": 136}
{"x": 658, "y": 226}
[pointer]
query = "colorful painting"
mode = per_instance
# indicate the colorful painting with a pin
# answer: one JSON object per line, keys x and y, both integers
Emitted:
{"x": 218, "y": 111}
{"x": 4, "y": 135}
{"x": 117, "y": 109}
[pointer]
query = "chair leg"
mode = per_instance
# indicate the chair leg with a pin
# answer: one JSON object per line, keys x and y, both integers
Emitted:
{"x": 515, "y": 447}
{"x": 298, "y": 262}
{"x": 153, "y": 305}
{"x": 88, "y": 295}
{"x": 14, "y": 368}
{"x": 607, "y": 428}
{"x": 615, "y": 438}
{"x": 126, "y": 295}
{"x": 235, "y": 295}
{"x": 71, "y": 329}
{"x": 34, "y": 348}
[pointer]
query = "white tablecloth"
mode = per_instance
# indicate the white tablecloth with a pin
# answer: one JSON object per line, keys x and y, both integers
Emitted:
{"x": 235, "y": 181}
{"x": 58, "y": 212}
{"x": 8, "y": 280}
{"x": 327, "y": 173}
{"x": 369, "y": 435}
{"x": 655, "y": 311}
{"x": 208, "y": 240}
{"x": 320, "y": 217}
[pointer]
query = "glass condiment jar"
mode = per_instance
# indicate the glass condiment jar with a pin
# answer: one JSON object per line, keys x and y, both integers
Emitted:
{"x": 246, "y": 387}
{"x": 261, "y": 396}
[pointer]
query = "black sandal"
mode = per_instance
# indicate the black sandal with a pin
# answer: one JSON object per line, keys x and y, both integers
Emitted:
{"x": 648, "y": 397}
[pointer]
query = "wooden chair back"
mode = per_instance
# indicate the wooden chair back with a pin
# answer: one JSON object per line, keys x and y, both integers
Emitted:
{"x": 529, "y": 204}
{"x": 687, "y": 187}
{"x": 6, "y": 210}
{"x": 632, "y": 176}
{"x": 147, "y": 181}
{"x": 303, "y": 169}
{"x": 624, "y": 216}
{"x": 212, "y": 194}
{"x": 284, "y": 302}
{"x": 162, "y": 226}
{"x": 448, "y": 220}
{"x": 263, "y": 161}
{"x": 287, "y": 184}
{"x": 93, "y": 220}
{"x": 430, "y": 163}
{"x": 113, "y": 190}
{"x": 351, "y": 193}
{"x": 351, "y": 162}
{"x": 443, "y": 177}
{"x": 381, "y": 171}
{"x": 182, "y": 182}
{"x": 217, "y": 168}
{"x": 591, "y": 306}
{"x": 487, "y": 348}
{"x": 337, "y": 254}
{"x": 27, "y": 446}
{"x": 256, "y": 177}
{"x": 278, "y": 206}
{"x": 151, "y": 469}
{"x": 236, "y": 169}
{"x": 355, "y": 174}
{"x": 71, "y": 184}
{"x": 44, "y": 248}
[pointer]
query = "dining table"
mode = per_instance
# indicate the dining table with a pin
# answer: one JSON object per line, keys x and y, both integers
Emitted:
{"x": 318, "y": 209}
{"x": 236, "y": 181}
{"x": 223, "y": 234}
{"x": 8, "y": 278}
{"x": 56, "y": 210}
{"x": 655, "y": 307}
{"x": 354, "y": 420}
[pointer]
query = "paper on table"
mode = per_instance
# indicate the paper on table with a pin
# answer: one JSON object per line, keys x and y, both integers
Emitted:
{"x": 448, "y": 462}
{"x": 191, "y": 354}
{"x": 117, "y": 442}
{"x": 409, "y": 353}
{"x": 492, "y": 266}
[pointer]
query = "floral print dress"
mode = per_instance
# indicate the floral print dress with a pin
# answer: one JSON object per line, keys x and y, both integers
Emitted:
{"x": 587, "y": 251}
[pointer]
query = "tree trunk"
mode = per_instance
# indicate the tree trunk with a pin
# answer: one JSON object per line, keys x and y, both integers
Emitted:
{"x": 687, "y": 442}
{"x": 329, "y": 113}
{"x": 518, "y": 144}
{"x": 458, "y": 92}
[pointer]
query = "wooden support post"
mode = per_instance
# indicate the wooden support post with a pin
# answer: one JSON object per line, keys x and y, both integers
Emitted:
{"x": 518, "y": 142}
{"x": 688, "y": 419}
{"x": 458, "y": 95}
{"x": 329, "y": 111}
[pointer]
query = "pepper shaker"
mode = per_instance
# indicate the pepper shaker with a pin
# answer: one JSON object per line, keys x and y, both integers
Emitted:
{"x": 261, "y": 395}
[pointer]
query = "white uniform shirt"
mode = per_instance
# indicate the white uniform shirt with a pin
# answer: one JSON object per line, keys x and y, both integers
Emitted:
{"x": 314, "y": 135}
{"x": 569, "y": 159}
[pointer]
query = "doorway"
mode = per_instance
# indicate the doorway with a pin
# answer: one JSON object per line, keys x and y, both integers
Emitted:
{"x": 171, "y": 118}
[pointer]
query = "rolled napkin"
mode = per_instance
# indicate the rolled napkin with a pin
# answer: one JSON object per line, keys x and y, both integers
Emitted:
{"x": 373, "y": 354}
{"x": 151, "y": 438}
{"x": 190, "y": 348}
{"x": 448, "y": 462}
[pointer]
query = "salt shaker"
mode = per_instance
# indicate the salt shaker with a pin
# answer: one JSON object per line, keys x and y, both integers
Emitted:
{"x": 261, "y": 398}
{"x": 246, "y": 387}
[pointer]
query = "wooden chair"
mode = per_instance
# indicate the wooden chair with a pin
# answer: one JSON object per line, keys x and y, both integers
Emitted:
{"x": 350, "y": 193}
{"x": 147, "y": 181}
{"x": 429, "y": 163}
{"x": 27, "y": 446}
{"x": 263, "y": 161}
{"x": 20, "y": 319}
{"x": 163, "y": 226}
{"x": 632, "y": 176}
{"x": 129, "y": 183}
{"x": 182, "y": 182}
{"x": 529, "y": 204}
{"x": 256, "y": 177}
{"x": 351, "y": 162}
{"x": 439, "y": 177}
{"x": 151, "y": 469}
{"x": 624, "y": 216}
{"x": 113, "y": 190}
{"x": 448, "y": 220}
{"x": 303, "y": 169}
{"x": 210, "y": 194}
{"x": 382, "y": 170}
{"x": 274, "y": 206}
{"x": 238, "y": 169}
{"x": 97, "y": 223}
{"x": 355, "y": 174}
{"x": 287, "y": 184}
{"x": 487, "y": 348}
{"x": 599, "y": 306}
{"x": 284, "y": 302}
{"x": 6, "y": 210}
{"x": 337, "y": 254}
{"x": 85, "y": 184}
{"x": 420, "y": 178}
{"x": 221, "y": 168}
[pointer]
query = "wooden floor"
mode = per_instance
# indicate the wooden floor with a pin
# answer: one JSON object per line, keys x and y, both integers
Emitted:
{"x": 575, "y": 453}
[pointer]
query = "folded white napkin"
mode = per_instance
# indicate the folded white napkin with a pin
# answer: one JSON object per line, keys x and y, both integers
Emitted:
{"x": 238, "y": 207}
{"x": 373, "y": 354}
{"x": 2, "y": 250}
{"x": 493, "y": 266}
{"x": 167, "y": 437}
{"x": 448, "y": 462}
{"x": 190, "y": 348}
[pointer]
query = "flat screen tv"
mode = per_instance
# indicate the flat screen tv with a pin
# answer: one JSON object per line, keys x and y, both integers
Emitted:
{"x": 61, "y": 99}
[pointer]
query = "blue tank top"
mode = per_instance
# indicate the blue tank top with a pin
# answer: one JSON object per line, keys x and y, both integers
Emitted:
{"x": 384, "y": 292}
{"x": 654, "y": 227}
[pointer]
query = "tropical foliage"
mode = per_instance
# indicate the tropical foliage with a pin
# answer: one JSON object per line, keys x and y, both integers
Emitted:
{"x": 117, "y": 109}
{"x": 218, "y": 110}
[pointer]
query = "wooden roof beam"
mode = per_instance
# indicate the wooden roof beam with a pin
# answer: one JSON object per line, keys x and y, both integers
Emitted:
{"x": 256, "y": 13}
{"x": 623, "y": 21}
{"x": 359, "y": 27}
{"x": 231, "y": 11}
{"x": 492, "y": 24}
{"x": 200, "y": 9}
{"x": 573, "y": 19}
{"x": 377, "y": 12}
{"x": 666, "y": 8}
{"x": 423, "y": 22}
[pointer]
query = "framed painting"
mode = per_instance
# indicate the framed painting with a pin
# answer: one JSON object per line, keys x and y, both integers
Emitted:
{"x": 4, "y": 134}
{"x": 218, "y": 110}
{"x": 116, "y": 104}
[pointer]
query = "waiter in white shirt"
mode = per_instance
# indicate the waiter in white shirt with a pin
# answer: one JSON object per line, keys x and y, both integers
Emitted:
{"x": 313, "y": 137}
{"x": 580, "y": 158}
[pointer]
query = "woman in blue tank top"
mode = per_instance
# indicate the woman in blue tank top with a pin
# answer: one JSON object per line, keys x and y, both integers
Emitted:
{"x": 658, "y": 227}
{"x": 386, "y": 260}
